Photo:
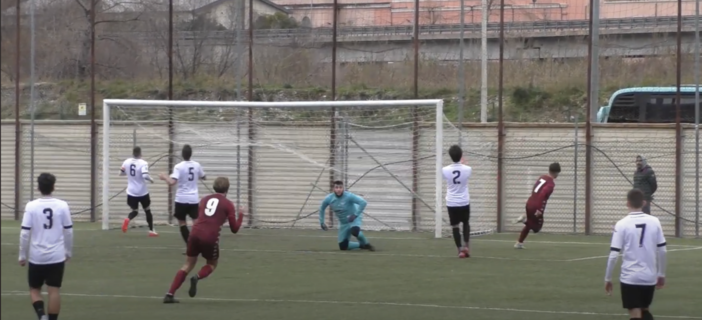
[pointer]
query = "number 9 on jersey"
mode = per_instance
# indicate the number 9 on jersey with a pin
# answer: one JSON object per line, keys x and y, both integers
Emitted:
{"x": 211, "y": 207}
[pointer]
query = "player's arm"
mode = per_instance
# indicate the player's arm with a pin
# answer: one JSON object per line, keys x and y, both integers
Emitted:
{"x": 547, "y": 191}
{"x": 235, "y": 220}
{"x": 662, "y": 252}
{"x": 122, "y": 170}
{"x": 203, "y": 176}
{"x": 145, "y": 172}
{"x": 67, "y": 223}
{"x": 25, "y": 234}
{"x": 322, "y": 209}
{"x": 614, "y": 249}
{"x": 360, "y": 204}
{"x": 173, "y": 178}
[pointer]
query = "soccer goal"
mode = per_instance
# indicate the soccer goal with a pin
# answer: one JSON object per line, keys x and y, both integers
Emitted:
{"x": 282, "y": 157}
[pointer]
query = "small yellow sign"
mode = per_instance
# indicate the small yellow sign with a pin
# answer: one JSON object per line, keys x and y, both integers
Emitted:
{"x": 82, "y": 109}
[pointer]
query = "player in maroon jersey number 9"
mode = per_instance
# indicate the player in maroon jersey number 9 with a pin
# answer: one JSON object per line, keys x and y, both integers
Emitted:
{"x": 535, "y": 206}
{"x": 213, "y": 211}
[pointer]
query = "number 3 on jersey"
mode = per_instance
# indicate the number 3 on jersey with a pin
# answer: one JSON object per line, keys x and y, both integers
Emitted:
{"x": 211, "y": 207}
{"x": 538, "y": 187}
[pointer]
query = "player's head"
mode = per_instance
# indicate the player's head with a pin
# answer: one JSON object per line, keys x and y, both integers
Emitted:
{"x": 187, "y": 152}
{"x": 640, "y": 161}
{"x": 221, "y": 185}
{"x": 338, "y": 188}
{"x": 456, "y": 153}
{"x": 635, "y": 200}
{"x": 554, "y": 169}
{"x": 136, "y": 152}
{"x": 45, "y": 183}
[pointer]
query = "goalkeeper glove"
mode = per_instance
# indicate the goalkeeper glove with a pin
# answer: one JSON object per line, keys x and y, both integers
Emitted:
{"x": 324, "y": 226}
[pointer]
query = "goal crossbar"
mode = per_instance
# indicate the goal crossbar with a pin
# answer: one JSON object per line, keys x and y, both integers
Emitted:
{"x": 437, "y": 103}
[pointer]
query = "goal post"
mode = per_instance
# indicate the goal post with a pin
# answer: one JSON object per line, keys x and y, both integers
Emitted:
{"x": 388, "y": 151}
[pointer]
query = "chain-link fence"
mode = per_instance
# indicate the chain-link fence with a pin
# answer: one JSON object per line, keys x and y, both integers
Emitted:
{"x": 490, "y": 61}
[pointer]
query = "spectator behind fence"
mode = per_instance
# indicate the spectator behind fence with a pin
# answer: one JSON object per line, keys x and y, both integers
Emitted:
{"x": 645, "y": 180}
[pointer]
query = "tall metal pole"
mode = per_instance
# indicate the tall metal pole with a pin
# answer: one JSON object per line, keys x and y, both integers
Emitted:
{"x": 591, "y": 100}
{"x": 32, "y": 107}
{"x": 595, "y": 61}
{"x": 18, "y": 128}
{"x": 171, "y": 131}
{"x": 500, "y": 120}
{"x": 484, "y": 63}
{"x": 333, "y": 115}
{"x": 252, "y": 132}
{"x": 415, "y": 122}
{"x": 697, "y": 118}
{"x": 678, "y": 127}
{"x": 575, "y": 176}
{"x": 93, "y": 124}
{"x": 461, "y": 74}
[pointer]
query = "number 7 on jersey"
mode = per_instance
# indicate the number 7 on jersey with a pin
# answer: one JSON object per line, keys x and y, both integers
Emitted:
{"x": 538, "y": 187}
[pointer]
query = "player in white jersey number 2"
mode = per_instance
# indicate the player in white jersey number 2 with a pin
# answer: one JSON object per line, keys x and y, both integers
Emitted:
{"x": 640, "y": 238}
{"x": 186, "y": 174}
{"x": 458, "y": 198}
{"x": 46, "y": 242}
{"x": 137, "y": 172}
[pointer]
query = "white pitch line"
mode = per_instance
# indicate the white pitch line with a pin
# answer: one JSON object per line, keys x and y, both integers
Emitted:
{"x": 302, "y": 252}
{"x": 389, "y": 304}
{"x": 600, "y": 257}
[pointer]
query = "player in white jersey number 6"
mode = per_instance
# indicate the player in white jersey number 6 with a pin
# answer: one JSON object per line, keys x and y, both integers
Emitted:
{"x": 458, "y": 198}
{"x": 137, "y": 172}
{"x": 640, "y": 238}
{"x": 46, "y": 242}
{"x": 186, "y": 174}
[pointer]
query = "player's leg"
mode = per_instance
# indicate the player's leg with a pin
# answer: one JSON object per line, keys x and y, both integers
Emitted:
{"x": 211, "y": 253}
{"x": 632, "y": 300}
{"x": 190, "y": 261}
{"x": 530, "y": 218}
{"x": 455, "y": 221}
{"x": 133, "y": 203}
{"x": 181, "y": 211}
{"x": 343, "y": 238}
{"x": 36, "y": 277}
{"x": 363, "y": 242}
{"x": 465, "y": 220}
{"x": 146, "y": 205}
{"x": 646, "y": 301}
{"x": 53, "y": 286}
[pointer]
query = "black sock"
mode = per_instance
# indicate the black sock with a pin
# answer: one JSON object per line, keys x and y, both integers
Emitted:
{"x": 646, "y": 315}
{"x": 457, "y": 237}
{"x": 53, "y": 316}
{"x": 466, "y": 232}
{"x": 149, "y": 219}
{"x": 185, "y": 233}
{"x": 39, "y": 308}
{"x": 133, "y": 214}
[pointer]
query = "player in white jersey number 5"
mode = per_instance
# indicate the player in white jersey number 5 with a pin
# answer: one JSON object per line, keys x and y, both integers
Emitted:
{"x": 46, "y": 242}
{"x": 640, "y": 238}
{"x": 458, "y": 198}
{"x": 137, "y": 172}
{"x": 186, "y": 174}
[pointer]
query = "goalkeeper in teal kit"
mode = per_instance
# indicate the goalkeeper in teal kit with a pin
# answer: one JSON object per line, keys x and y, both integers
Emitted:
{"x": 348, "y": 208}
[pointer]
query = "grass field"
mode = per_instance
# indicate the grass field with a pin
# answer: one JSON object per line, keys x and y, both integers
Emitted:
{"x": 285, "y": 274}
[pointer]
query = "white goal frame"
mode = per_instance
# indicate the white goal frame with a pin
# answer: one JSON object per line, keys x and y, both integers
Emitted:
{"x": 437, "y": 103}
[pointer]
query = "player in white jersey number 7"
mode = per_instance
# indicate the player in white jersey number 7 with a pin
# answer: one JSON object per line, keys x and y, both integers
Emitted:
{"x": 137, "y": 172}
{"x": 46, "y": 242}
{"x": 639, "y": 237}
{"x": 186, "y": 174}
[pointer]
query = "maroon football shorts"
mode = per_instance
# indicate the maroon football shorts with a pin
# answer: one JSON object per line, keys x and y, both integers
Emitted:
{"x": 209, "y": 249}
{"x": 533, "y": 222}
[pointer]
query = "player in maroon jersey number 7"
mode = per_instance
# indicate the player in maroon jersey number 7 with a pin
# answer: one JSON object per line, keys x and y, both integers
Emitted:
{"x": 214, "y": 211}
{"x": 535, "y": 206}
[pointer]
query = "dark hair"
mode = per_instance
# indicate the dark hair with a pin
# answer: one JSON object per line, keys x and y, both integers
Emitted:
{"x": 455, "y": 152}
{"x": 338, "y": 183}
{"x": 554, "y": 168}
{"x": 46, "y": 182}
{"x": 635, "y": 198}
{"x": 187, "y": 152}
{"x": 221, "y": 185}
{"x": 136, "y": 152}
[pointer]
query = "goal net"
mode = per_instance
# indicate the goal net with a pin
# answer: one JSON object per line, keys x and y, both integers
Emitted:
{"x": 281, "y": 158}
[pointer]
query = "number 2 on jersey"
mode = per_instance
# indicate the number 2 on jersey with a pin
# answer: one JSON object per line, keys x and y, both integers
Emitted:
{"x": 456, "y": 175}
{"x": 49, "y": 216}
{"x": 211, "y": 207}
{"x": 643, "y": 232}
{"x": 538, "y": 187}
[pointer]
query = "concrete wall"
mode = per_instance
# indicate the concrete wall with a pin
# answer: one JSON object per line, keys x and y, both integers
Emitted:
{"x": 291, "y": 169}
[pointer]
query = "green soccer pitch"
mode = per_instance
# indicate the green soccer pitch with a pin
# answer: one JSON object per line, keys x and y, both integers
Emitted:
{"x": 291, "y": 275}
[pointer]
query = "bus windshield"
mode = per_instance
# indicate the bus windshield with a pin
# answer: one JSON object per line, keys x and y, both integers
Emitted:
{"x": 649, "y": 105}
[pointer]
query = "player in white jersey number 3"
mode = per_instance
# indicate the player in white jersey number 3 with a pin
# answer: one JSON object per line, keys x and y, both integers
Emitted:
{"x": 640, "y": 238}
{"x": 137, "y": 172}
{"x": 458, "y": 198}
{"x": 46, "y": 242}
{"x": 186, "y": 174}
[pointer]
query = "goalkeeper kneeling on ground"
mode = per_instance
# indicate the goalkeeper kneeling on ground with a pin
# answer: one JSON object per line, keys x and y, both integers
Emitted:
{"x": 348, "y": 209}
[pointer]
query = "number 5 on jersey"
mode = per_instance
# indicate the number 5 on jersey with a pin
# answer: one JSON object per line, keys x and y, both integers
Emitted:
{"x": 211, "y": 207}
